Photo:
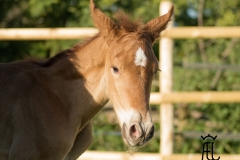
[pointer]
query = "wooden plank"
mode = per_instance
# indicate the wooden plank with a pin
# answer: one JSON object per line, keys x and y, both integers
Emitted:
{"x": 165, "y": 79}
{"x": 46, "y": 33}
{"x": 97, "y": 155}
{"x": 78, "y": 33}
{"x": 199, "y": 157}
{"x": 193, "y": 97}
{"x": 196, "y": 97}
{"x": 102, "y": 155}
{"x": 202, "y": 32}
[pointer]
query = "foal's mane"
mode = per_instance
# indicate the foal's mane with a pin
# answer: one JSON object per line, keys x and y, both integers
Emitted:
{"x": 50, "y": 61}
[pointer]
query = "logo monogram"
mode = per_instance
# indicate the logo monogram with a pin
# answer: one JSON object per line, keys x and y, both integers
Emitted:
{"x": 207, "y": 148}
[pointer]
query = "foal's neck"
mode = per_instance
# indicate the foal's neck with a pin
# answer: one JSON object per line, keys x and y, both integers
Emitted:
{"x": 91, "y": 60}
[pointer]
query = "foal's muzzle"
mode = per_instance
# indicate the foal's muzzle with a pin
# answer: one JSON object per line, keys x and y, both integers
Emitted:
{"x": 136, "y": 135}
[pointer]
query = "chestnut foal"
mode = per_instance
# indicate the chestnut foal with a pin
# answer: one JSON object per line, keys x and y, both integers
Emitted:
{"x": 46, "y": 106}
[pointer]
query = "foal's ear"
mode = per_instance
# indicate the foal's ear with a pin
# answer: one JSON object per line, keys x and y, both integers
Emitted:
{"x": 103, "y": 22}
{"x": 157, "y": 25}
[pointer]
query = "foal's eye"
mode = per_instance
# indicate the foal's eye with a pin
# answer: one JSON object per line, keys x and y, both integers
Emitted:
{"x": 115, "y": 69}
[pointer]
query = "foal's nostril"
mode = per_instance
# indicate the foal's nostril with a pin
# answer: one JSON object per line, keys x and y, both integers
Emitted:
{"x": 135, "y": 132}
{"x": 150, "y": 134}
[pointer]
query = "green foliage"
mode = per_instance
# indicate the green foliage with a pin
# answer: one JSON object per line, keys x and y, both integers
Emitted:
{"x": 210, "y": 117}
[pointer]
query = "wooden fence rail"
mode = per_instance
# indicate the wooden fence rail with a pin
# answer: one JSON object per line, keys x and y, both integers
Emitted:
{"x": 202, "y": 32}
{"x": 196, "y": 97}
{"x": 97, "y": 155}
{"x": 46, "y": 33}
{"x": 79, "y": 33}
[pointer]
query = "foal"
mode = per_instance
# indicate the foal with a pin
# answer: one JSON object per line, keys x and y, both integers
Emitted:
{"x": 46, "y": 107}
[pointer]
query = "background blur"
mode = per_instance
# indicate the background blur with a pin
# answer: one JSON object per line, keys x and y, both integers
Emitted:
{"x": 194, "y": 62}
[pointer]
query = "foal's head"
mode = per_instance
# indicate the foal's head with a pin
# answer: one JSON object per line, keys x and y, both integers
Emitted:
{"x": 131, "y": 65}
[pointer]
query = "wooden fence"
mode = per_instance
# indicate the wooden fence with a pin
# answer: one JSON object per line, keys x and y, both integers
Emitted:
{"x": 79, "y": 33}
{"x": 165, "y": 97}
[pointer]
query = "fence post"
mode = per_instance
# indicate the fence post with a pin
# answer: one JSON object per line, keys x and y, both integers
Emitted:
{"x": 165, "y": 78}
